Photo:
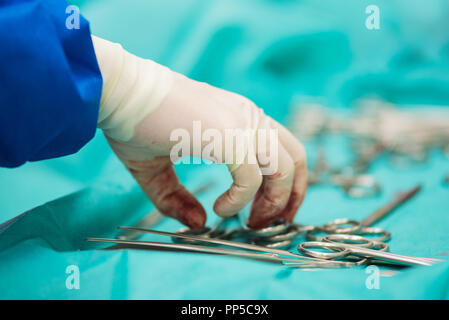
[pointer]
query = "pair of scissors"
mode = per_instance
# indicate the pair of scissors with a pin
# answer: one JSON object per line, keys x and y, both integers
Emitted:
{"x": 287, "y": 233}
{"x": 244, "y": 250}
{"x": 348, "y": 246}
{"x": 345, "y": 246}
{"x": 311, "y": 259}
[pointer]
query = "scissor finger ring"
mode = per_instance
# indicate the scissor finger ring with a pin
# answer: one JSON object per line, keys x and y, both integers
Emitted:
{"x": 333, "y": 227}
{"x": 384, "y": 235}
{"x": 341, "y": 250}
{"x": 276, "y": 228}
{"x": 350, "y": 239}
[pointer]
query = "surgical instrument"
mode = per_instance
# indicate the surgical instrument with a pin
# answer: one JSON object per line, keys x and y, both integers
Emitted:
{"x": 331, "y": 238}
{"x": 281, "y": 235}
{"x": 363, "y": 227}
{"x": 343, "y": 250}
{"x": 239, "y": 245}
{"x": 377, "y": 127}
{"x": 358, "y": 241}
{"x": 285, "y": 237}
{"x": 346, "y": 242}
{"x": 260, "y": 255}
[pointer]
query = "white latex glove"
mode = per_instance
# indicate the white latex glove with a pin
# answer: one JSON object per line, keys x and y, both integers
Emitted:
{"x": 143, "y": 103}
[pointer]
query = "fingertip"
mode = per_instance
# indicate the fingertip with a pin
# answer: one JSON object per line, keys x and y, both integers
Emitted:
{"x": 223, "y": 209}
{"x": 196, "y": 219}
{"x": 185, "y": 208}
{"x": 192, "y": 214}
{"x": 193, "y": 217}
{"x": 293, "y": 205}
{"x": 263, "y": 213}
{"x": 261, "y": 221}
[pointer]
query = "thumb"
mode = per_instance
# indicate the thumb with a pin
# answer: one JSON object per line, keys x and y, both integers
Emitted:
{"x": 246, "y": 181}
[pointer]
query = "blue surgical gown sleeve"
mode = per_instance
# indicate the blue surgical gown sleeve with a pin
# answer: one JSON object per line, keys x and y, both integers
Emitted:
{"x": 50, "y": 82}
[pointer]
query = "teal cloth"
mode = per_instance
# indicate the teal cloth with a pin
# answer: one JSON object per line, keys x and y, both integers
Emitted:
{"x": 274, "y": 52}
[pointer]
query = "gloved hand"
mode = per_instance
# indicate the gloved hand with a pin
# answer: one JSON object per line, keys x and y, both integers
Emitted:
{"x": 146, "y": 107}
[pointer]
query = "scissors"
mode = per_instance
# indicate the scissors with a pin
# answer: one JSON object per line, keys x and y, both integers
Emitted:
{"x": 353, "y": 232}
{"x": 365, "y": 249}
{"x": 348, "y": 249}
{"x": 312, "y": 259}
{"x": 282, "y": 234}
{"x": 249, "y": 250}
